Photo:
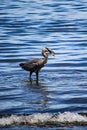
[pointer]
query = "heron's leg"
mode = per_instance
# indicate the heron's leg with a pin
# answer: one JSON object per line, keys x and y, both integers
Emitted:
{"x": 30, "y": 75}
{"x": 37, "y": 76}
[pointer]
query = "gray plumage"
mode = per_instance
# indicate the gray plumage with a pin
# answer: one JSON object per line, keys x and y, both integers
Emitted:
{"x": 36, "y": 64}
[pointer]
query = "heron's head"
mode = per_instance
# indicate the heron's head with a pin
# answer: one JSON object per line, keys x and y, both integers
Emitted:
{"x": 50, "y": 51}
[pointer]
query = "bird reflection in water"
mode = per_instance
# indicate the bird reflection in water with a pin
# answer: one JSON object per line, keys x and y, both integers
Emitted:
{"x": 39, "y": 95}
{"x": 36, "y": 64}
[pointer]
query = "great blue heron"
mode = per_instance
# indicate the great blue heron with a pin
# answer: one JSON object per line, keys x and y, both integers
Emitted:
{"x": 36, "y": 64}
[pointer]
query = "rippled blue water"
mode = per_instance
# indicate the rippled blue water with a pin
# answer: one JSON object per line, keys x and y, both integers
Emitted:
{"x": 25, "y": 28}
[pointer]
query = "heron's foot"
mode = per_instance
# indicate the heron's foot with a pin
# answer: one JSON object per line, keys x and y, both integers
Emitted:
{"x": 30, "y": 80}
{"x": 37, "y": 82}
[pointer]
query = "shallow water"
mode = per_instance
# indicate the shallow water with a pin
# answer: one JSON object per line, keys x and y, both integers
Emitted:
{"x": 25, "y": 28}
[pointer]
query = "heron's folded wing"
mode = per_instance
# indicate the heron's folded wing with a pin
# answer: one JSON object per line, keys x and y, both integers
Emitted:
{"x": 29, "y": 66}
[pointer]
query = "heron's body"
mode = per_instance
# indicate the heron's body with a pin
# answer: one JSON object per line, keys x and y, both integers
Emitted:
{"x": 36, "y": 64}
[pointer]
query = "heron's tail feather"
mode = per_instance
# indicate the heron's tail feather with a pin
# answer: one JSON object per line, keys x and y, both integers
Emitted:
{"x": 21, "y": 64}
{"x": 24, "y": 66}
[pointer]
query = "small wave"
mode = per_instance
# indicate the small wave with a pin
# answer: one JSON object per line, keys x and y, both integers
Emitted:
{"x": 39, "y": 119}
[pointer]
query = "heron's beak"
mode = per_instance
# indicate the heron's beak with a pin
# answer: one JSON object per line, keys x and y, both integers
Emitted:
{"x": 51, "y": 52}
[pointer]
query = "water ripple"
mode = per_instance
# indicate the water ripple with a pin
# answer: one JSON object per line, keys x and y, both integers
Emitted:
{"x": 28, "y": 26}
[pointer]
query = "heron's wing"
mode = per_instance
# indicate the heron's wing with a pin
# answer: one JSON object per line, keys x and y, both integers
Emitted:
{"x": 33, "y": 61}
{"x": 31, "y": 65}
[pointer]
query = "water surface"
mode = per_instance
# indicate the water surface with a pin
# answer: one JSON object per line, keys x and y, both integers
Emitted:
{"x": 25, "y": 28}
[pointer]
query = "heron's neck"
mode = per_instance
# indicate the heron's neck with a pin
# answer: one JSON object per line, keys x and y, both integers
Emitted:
{"x": 45, "y": 57}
